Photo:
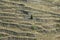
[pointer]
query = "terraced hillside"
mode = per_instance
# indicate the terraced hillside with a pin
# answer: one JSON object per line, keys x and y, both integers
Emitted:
{"x": 29, "y": 19}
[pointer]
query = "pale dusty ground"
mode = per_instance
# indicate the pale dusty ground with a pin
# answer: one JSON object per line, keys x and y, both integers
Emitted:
{"x": 29, "y": 19}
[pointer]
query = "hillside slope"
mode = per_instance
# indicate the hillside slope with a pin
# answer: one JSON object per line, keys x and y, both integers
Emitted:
{"x": 29, "y": 19}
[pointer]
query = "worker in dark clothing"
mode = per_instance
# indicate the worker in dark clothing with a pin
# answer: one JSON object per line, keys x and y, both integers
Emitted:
{"x": 31, "y": 17}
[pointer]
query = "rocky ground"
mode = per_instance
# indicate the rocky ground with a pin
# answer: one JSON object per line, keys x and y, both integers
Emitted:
{"x": 29, "y": 19}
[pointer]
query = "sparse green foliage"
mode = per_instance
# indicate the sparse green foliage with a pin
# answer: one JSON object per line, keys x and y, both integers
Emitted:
{"x": 58, "y": 25}
{"x": 35, "y": 39}
{"x": 33, "y": 27}
{"x": 0, "y": 35}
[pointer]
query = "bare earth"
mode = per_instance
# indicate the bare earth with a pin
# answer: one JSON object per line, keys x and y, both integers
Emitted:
{"x": 29, "y": 19}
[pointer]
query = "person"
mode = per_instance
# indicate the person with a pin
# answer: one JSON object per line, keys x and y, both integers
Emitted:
{"x": 31, "y": 17}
